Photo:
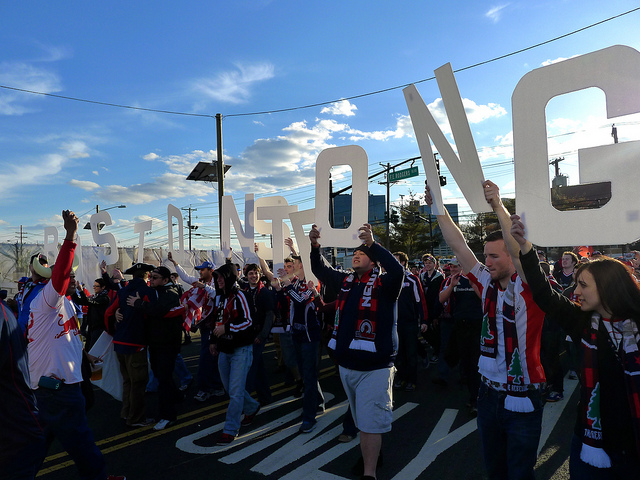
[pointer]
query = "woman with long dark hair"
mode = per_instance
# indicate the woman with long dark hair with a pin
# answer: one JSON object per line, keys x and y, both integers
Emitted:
{"x": 93, "y": 324}
{"x": 605, "y": 325}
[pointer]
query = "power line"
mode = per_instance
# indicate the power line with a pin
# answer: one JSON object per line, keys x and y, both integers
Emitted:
{"x": 384, "y": 90}
{"x": 433, "y": 78}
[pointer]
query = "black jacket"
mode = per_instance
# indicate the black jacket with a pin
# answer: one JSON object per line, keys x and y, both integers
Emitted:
{"x": 386, "y": 340}
{"x": 162, "y": 331}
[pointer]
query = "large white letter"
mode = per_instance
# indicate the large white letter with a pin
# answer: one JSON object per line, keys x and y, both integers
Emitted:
{"x": 277, "y": 214}
{"x": 468, "y": 172}
{"x": 102, "y": 238}
{"x": 298, "y": 221}
{"x": 140, "y": 228}
{"x": 616, "y": 71}
{"x": 230, "y": 214}
{"x": 356, "y": 158}
{"x": 174, "y": 212}
{"x": 50, "y": 248}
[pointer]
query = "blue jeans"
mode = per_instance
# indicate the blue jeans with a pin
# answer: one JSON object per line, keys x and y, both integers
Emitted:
{"x": 61, "y": 413}
{"x": 509, "y": 439}
{"x": 307, "y": 356}
{"x": 233, "y": 373}
{"x": 622, "y": 466}
{"x": 180, "y": 369}
{"x": 208, "y": 376}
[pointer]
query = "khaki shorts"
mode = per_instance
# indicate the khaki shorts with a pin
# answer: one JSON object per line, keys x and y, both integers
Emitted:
{"x": 370, "y": 397}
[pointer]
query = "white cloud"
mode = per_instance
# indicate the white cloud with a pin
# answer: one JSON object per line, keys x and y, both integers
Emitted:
{"x": 557, "y": 60}
{"x": 495, "y": 13}
{"x": 151, "y": 156}
{"x": 234, "y": 86}
{"x": 75, "y": 149}
{"x": 84, "y": 184}
{"x": 343, "y": 107}
{"x": 475, "y": 113}
{"x": 2, "y": 222}
{"x": 26, "y": 77}
{"x": 37, "y": 171}
{"x": 95, "y": 172}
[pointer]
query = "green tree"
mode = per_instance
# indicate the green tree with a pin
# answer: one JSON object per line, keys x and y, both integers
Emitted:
{"x": 515, "y": 369}
{"x": 593, "y": 409}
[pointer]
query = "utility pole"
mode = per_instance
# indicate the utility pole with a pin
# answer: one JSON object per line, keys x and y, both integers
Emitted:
{"x": 387, "y": 169}
{"x": 220, "y": 168}
{"x": 614, "y": 133}
{"x": 189, "y": 225}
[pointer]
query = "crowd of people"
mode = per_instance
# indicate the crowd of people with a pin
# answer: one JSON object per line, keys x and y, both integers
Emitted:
{"x": 502, "y": 323}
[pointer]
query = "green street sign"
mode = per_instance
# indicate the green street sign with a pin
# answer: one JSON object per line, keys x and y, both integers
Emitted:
{"x": 402, "y": 174}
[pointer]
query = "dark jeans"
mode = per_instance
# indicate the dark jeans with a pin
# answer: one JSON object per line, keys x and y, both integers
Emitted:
{"x": 407, "y": 359}
{"x": 163, "y": 363}
{"x": 509, "y": 439}
{"x": 467, "y": 333}
{"x": 307, "y": 356}
{"x": 257, "y": 376}
{"x": 62, "y": 415}
{"x": 622, "y": 466}
{"x": 208, "y": 374}
{"x": 446, "y": 329}
{"x": 551, "y": 346}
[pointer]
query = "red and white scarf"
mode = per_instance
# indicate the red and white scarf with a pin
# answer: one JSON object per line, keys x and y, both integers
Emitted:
{"x": 626, "y": 351}
{"x": 365, "y": 332}
{"x": 517, "y": 399}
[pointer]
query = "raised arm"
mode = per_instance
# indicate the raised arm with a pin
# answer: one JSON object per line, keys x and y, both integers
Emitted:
{"x": 263, "y": 264}
{"x": 453, "y": 236}
{"x": 492, "y": 195}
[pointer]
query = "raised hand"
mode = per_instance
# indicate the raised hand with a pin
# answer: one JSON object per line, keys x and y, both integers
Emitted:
{"x": 314, "y": 235}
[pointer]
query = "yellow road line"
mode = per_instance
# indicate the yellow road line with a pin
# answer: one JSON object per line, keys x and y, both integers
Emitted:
{"x": 324, "y": 373}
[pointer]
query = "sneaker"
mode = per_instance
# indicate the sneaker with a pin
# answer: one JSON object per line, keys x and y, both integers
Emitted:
{"x": 434, "y": 359}
{"x": 162, "y": 424}
{"x": 397, "y": 384}
{"x": 555, "y": 397}
{"x": 143, "y": 423}
{"x": 218, "y": 392}
{"x": 202, "y": 396}
{"x": 572, "y": 375}
{"x": 409, "y": 387}
{"x": 183, "y": 387}
{"x": 307, "y": 427}
{"x": 345, "y": 438}
{"x": 248, "y": 419}
{"x": 225, "y": 439}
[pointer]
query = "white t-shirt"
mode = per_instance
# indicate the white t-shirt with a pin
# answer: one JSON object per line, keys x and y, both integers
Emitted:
{"x": 55, "y": 345}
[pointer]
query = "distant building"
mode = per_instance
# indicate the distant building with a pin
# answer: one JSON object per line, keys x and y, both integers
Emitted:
{"x": 342, "y": 210}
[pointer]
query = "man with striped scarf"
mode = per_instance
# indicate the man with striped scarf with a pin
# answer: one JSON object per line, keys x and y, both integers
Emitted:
{"x": 365, "y": 339}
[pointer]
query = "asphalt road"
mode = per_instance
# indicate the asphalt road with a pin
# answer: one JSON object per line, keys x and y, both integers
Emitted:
{"x": 433, "y": 436}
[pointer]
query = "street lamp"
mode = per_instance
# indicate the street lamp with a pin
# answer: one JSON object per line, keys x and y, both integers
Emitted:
{"x": 100, "y": 225}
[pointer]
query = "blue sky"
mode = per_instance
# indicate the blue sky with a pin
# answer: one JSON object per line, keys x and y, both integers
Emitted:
{"x": 252, "y": 56}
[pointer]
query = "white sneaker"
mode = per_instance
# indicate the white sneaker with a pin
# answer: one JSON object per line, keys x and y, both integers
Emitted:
{"x": 202, "y": 396}
{"x": 162, "y": 424}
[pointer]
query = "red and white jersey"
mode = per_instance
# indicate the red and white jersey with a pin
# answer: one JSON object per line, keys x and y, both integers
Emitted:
{"x": 529, "y": 320}
{"x": 55, "y": 344}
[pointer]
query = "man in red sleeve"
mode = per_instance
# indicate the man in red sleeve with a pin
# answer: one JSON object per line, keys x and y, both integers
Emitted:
{"x": 55, "y": 355}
